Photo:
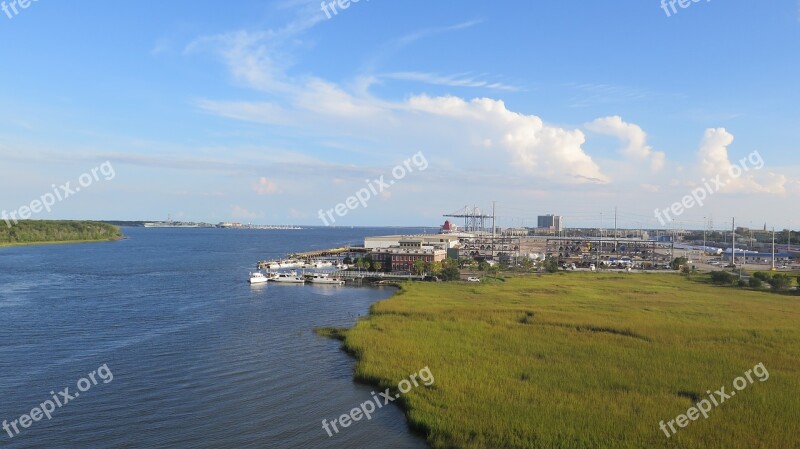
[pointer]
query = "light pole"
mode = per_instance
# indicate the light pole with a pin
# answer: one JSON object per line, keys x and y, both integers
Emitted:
{"x": 703, "y": 256}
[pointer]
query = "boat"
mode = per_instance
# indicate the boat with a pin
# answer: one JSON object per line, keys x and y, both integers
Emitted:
{"x": 258, "y": 278}
{"x": 288, "y": 278}
{"x": 324, "y": 278}
{"x": 290, "y": 263}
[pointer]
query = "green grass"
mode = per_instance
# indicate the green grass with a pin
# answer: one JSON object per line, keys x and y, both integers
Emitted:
{"x": 586, "y": 360}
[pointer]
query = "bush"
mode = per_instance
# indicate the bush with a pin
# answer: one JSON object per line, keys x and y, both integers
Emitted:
{"x": 755, "y": 282}
{"x": 762, "y": 276}
{"x": 780, "y": 282}
{"x": 741, "y": 283}
{"x": 722, "y": 278}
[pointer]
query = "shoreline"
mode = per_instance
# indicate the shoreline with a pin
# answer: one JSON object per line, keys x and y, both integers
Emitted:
{"x": 62, "y": 242}
{"x": 340, "y": 334}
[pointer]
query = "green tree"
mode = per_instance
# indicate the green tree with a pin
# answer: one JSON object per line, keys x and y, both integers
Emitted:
{"x": 377, "y": 266}
{"x": 419, "y": 267}
{"x": 483, "y": 266}
{"x": 679, "y": 262}
{"x": 436, "y": 268}
{"x": 550, "y": 265}
{"x": 450, "y": 273}
{"x": 755, "y": 282}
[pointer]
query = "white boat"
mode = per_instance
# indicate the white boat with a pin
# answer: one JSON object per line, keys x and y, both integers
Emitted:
{"x": 288, "y": 278}
{"x": 323, "y": 278}
{"x": 290, "y": 263}
{"x": 258, "y": 278}
{"x": 322, "y": 264}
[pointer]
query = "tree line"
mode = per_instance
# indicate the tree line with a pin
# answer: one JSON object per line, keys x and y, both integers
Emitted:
{"x": 36, "y": 231}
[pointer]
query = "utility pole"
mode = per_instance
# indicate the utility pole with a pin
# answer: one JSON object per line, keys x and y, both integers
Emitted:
{"x": 733, "y": 243}
{"x": 703, "y": 254}
{"x": 615, "y": 229}
{"x": 773, "y": 249}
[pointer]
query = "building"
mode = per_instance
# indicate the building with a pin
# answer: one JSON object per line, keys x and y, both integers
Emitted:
{"x": 440, "y": 240}
{"x": 552, "y": 222}
{"x": 403, "y": 256}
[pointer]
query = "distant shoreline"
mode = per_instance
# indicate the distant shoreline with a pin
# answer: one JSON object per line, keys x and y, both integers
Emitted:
{"x": 64, "y": 242}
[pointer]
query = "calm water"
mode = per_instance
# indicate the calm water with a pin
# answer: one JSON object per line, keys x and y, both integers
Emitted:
{"x": 199, "y": 358}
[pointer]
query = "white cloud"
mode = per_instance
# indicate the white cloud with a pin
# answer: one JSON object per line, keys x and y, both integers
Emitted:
{"x": 242, "y": 213}
{"x": 633, "y": 136}
{"x": 460, "y": 80}
{"x": 265, "y": 187}
{"x": 715, "y": 161}
{"x": 535, "y": 148}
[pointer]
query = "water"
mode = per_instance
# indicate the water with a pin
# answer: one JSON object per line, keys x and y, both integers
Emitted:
{"x": 200, "y": 359}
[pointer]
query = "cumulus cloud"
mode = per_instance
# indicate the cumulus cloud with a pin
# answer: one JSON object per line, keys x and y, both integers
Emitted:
{"x": 634, "y": 138}
{"x": 265, "y": 187}
{"x": 535, "y": 148}
{"x": 742, "y": 176}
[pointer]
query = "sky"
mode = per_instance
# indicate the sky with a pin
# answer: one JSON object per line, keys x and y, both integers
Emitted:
{"x": 278, "y": 112}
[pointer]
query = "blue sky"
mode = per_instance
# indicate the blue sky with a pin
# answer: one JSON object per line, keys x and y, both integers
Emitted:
{"x": 269, "y": 111}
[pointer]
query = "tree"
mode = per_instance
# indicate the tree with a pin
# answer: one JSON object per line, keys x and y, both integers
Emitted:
{"x": 419, "y": 267}
{"x": 450, "y": 273}
{"x": 347, "y": 261}
{"x": 550, "y": 265}
{"x": 755, "y": 282}
{"x": 483, "y": 266}
{"x": 436, "y": 268}
{"x": 679, "y": 262}
{"x": 377, "y": 266}
{"x": 360, "y": 264}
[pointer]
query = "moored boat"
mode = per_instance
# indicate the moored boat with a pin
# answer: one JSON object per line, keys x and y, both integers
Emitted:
{"x": 324, "y": 278}
{"x": 258, "y": 278}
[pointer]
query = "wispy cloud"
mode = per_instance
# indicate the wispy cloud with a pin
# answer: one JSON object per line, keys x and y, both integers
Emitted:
{"x": 458, "y": 80}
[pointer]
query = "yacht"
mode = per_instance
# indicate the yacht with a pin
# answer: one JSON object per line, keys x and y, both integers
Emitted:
{"x": 258, "y": 278}
{"x": 288, "y": 278}
{"x": 324, "y": 278}
{"x": 291, "y": 263}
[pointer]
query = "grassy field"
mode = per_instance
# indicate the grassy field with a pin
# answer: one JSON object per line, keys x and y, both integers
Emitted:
{"x": 587, "y": 360}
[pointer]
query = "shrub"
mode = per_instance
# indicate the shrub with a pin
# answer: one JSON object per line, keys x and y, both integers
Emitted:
{"x": 780, "y": 282}
{"x": 755, "y": 282}
{"x": 722, "y": 278}
{"x": 762, "y": 276}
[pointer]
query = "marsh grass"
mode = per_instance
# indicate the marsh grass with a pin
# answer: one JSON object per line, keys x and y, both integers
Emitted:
{"x": 586, "y": 360}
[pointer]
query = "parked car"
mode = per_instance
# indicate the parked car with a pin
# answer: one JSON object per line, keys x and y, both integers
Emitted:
{"x": 473, "y": 279}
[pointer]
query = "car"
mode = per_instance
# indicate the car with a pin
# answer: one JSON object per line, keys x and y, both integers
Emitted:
{"x": 592, "y": 267}
{"x": 473, "y": 279}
